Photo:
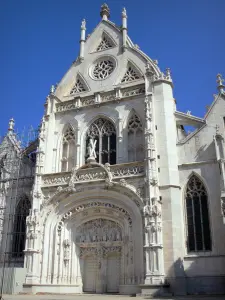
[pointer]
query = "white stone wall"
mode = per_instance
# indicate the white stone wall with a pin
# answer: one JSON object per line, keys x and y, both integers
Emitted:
{"x": 168, "y": 166}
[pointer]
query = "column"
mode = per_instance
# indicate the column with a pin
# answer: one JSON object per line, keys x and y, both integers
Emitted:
{"x": 33, "y": 243}
{"x": 119, "y": 141}
{"x": 77, "y": 163}
{"x": 154, "y": 266}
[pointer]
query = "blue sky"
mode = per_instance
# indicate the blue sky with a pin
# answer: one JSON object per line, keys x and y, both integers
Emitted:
{"x": 40, "y": 40}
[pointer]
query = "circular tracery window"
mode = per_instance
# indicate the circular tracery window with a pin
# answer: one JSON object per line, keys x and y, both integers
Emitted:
{"x": 102, "y": 69}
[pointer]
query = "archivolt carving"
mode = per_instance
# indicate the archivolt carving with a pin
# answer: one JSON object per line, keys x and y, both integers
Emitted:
{"x": 99, "y": 230}
{"x": 89, "y": 205}
{"x": 103, "y": 205}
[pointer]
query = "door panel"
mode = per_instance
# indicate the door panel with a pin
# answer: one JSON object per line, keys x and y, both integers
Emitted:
{"x": 113, "y": 274}
{"x": 89, "y": 281}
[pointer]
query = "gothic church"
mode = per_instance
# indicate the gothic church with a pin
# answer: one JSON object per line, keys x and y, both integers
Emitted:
{"x": 120, "y": 198}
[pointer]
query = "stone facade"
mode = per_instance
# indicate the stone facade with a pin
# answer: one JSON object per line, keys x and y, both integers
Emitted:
{"x": 124, "y": 199}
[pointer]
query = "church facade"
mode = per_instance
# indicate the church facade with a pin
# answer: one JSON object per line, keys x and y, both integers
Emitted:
{"x": 123, "y": 199}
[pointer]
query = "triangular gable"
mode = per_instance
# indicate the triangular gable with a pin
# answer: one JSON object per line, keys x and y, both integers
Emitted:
{"x": 79, "y": 86}
{"x": 131, "y": 73}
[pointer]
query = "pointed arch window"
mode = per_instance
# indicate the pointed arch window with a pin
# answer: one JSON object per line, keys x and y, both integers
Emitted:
{"x": 104, "y": 132}
{"x": 135, "y": 139}
{"x": 68, "y": 150}
{"x": 197, "y": 216}
{"x": 19, "y": 227}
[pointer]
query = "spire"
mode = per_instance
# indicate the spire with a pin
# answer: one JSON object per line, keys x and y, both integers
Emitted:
{"x": 11, "y": 125}
{"x": 82, "y": 38}
{"x": 220, "y": 81}
{"x": 124, "y": 28}
{"x": 105, "y": 12}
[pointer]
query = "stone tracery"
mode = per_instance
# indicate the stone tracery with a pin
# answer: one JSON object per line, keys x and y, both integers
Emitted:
{"x": 78, "y": 87}
{"x": 102, "y": 69}
{"x": 130, "y": 75}
{"x": 104, "y": 132}
{"x": 104, "y": 44}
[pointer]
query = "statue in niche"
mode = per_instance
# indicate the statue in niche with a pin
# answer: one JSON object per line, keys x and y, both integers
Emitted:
{"x": 153, "y": 234}
{"x": 156, "y": 210}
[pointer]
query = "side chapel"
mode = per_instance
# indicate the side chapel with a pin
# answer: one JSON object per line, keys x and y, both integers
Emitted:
{"x": 123, "y": 199}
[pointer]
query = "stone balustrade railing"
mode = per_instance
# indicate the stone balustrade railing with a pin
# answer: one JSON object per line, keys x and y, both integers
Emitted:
{"x": 96, "y": 173}
{"x": 98, "y": 98}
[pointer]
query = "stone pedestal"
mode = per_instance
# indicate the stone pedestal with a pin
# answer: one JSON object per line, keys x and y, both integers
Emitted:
{"x": 155, "y": 290}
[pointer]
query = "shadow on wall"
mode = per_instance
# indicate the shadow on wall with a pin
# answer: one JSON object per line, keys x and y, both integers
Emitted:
{"x": 184, "y": 281}
{"x": 205, "y": 152}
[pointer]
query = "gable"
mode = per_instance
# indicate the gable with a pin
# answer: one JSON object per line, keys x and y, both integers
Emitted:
{"x": 105, "y": 64}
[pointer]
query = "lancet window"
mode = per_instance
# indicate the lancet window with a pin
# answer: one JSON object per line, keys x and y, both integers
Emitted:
{"x": 68, "y": 150}
{"x": 104, "y": 133}
{"x": 135, "y": 139}
{"x": 197, "y": 216}
{"x": 19, "y": 227}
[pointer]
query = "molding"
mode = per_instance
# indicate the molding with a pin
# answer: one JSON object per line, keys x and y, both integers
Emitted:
{"x": 166, "y": 186}
{"x": 185, "y": 119}
{"x": 202, "y": 255}
{"x": 197, "y": 163}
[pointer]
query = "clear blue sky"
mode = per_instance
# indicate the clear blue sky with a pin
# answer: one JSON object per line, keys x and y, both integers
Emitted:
{"x": 40, "y": 40}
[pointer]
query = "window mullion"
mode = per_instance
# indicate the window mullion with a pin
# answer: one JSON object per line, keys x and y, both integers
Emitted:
{"x": 193, "y": 215}
{"x": 202, "y": 228}
{"x": 135, "y": 146}
{"x": 100, "y": 147}
{"x": 108, "y": 149}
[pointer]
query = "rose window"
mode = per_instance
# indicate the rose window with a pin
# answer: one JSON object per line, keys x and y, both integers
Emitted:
{"x": 102, "y": 69}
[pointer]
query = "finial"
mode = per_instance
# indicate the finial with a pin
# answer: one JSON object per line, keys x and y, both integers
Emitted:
{"x": 124, "y": 13}
{"x": 168, "y": 74}
{"x": 220, "y": 81}
{"x": 149, "y": 70}
{"x": 11, "y": 125}
{"x": 105, "y": 12}
{"x": 188, "y": 112}
{"x": 52, "y": 89}
{"x": 83, "y": 24}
